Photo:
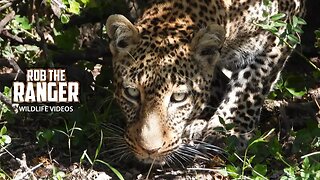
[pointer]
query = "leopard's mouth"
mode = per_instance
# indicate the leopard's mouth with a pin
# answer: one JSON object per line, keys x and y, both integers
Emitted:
{"x": 159, "y": 157}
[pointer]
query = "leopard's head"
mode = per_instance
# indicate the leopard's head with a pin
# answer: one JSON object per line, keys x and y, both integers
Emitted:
{"x": 162, "y": 77}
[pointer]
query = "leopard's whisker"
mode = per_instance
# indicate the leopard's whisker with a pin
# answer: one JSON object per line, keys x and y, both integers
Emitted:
{"x": 115, "y": 157}
{"x": 117, "y": 149}
{"x": 125, "y": 155}
{"x": 192, "y": 150}
{"x": 113, "y": 127}
{"x": 116, "y": 137}
{"x": 208, "y": 146}
{"x": 183, "y": 157}
{"x": 175, "y": 157}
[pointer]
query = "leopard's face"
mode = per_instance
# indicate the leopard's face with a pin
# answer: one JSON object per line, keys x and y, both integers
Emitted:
{"x": 162, "y": 84}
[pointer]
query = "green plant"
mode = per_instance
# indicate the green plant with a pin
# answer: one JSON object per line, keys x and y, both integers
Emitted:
{"x": 95, "y": 159}
{"x": 307, "y": 170}
{"x": 306, "y": 139}
{"x": 44, "y": 137}
{"x": 289, "y": 86}
{"x": 66, "y": 8}
{"x": 69, "y": 134}
{"x": 250, "y": 163}
{"x": 5, "y": 139}
{"x": 259, "y": 170}
{"x": 57, "y": 175}
{"x": 21, "y": 26}
{"x": 287, "y": 32}
{"x": 5, "y": 113}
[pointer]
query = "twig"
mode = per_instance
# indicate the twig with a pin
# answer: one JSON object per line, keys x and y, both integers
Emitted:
{"x": 296, "y": 51}
{"x": 15, "y": 66}
{"x": 24, "y": 166}
{"x": 6, "y": 19}
{"x": 310, "y": 154}
{"x": 5, "y": 34}
{"x": 5, "y": 6}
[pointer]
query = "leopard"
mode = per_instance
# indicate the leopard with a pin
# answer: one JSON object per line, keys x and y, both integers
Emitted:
{"x": 186, "y": 69}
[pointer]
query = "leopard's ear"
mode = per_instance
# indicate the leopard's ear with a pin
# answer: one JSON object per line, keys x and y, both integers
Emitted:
{"x": 207, "y": 43}
{"x": 122, "y": 32}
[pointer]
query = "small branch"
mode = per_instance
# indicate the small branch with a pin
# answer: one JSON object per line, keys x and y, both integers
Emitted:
{"x": 296, "y": 51}
{"x": 310, "y": 154}
{"x": 17, "y": 40}
{"x": 6, "y": 34}
{"x": 6, "y": 20}
{"x": 5, "y": 6}
{"x": 15, "y": 66}
{"x": 25, "y": 169}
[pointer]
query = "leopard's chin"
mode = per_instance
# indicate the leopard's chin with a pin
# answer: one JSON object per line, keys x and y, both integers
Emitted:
{"x": 156, "y": 158}
{"x": 152, "y": 161}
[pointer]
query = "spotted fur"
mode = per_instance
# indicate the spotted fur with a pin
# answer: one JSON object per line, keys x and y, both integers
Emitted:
{"x": 167, "y": 69}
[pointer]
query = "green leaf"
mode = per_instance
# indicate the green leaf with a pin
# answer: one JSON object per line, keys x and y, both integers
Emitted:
{"x": 7, "y": 91}
{"x": 20, "y": 48}
{"x": 294, "y": 39}
{"x": 272, "y": 95}
{"x": 85, "y": 2}
{"x": 301, "y": 21}
{"x": 46, "y": 135}
{"x": 261, "y": 169}
{"x": 64, "y": 18}
{"x": 251, "y": 159}
{"x": 32, "y": 48}
{"x": 294, "y": 21}
{"x": 3, "y": 130}
{"x": 264, "y": 26}
{"x": 85, "y": 155}
{"x": 296, "y": 93}
{"x": 2, "y": 175}
{"x": 74, "y": 7}
{"x": 232, "y": 171}
{"x": 7, "y": 139}
{"x": 273, "y": 29}
{"x": 115, "y": 171}
{"x": 60, "y": 175}
{"x": 99, "y": 146}
{"x": 279, "y": 24}
{"x": 290, "y": 172}
{"x": 306, "y": 163}
{"x": 277, "y": 16}
{"x": 23, "y": 22}
{"x": 297, "y": 29}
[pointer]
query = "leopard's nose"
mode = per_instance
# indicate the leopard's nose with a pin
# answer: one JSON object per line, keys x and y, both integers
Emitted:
{"x": 152, "y": 150}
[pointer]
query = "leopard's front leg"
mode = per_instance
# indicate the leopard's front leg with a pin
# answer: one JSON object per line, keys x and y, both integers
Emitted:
{"x": 247, "y": 90}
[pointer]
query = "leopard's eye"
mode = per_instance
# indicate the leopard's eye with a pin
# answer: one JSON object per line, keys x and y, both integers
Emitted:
{"x": 132, "y": 92}
{"x": 179, "y": 97}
